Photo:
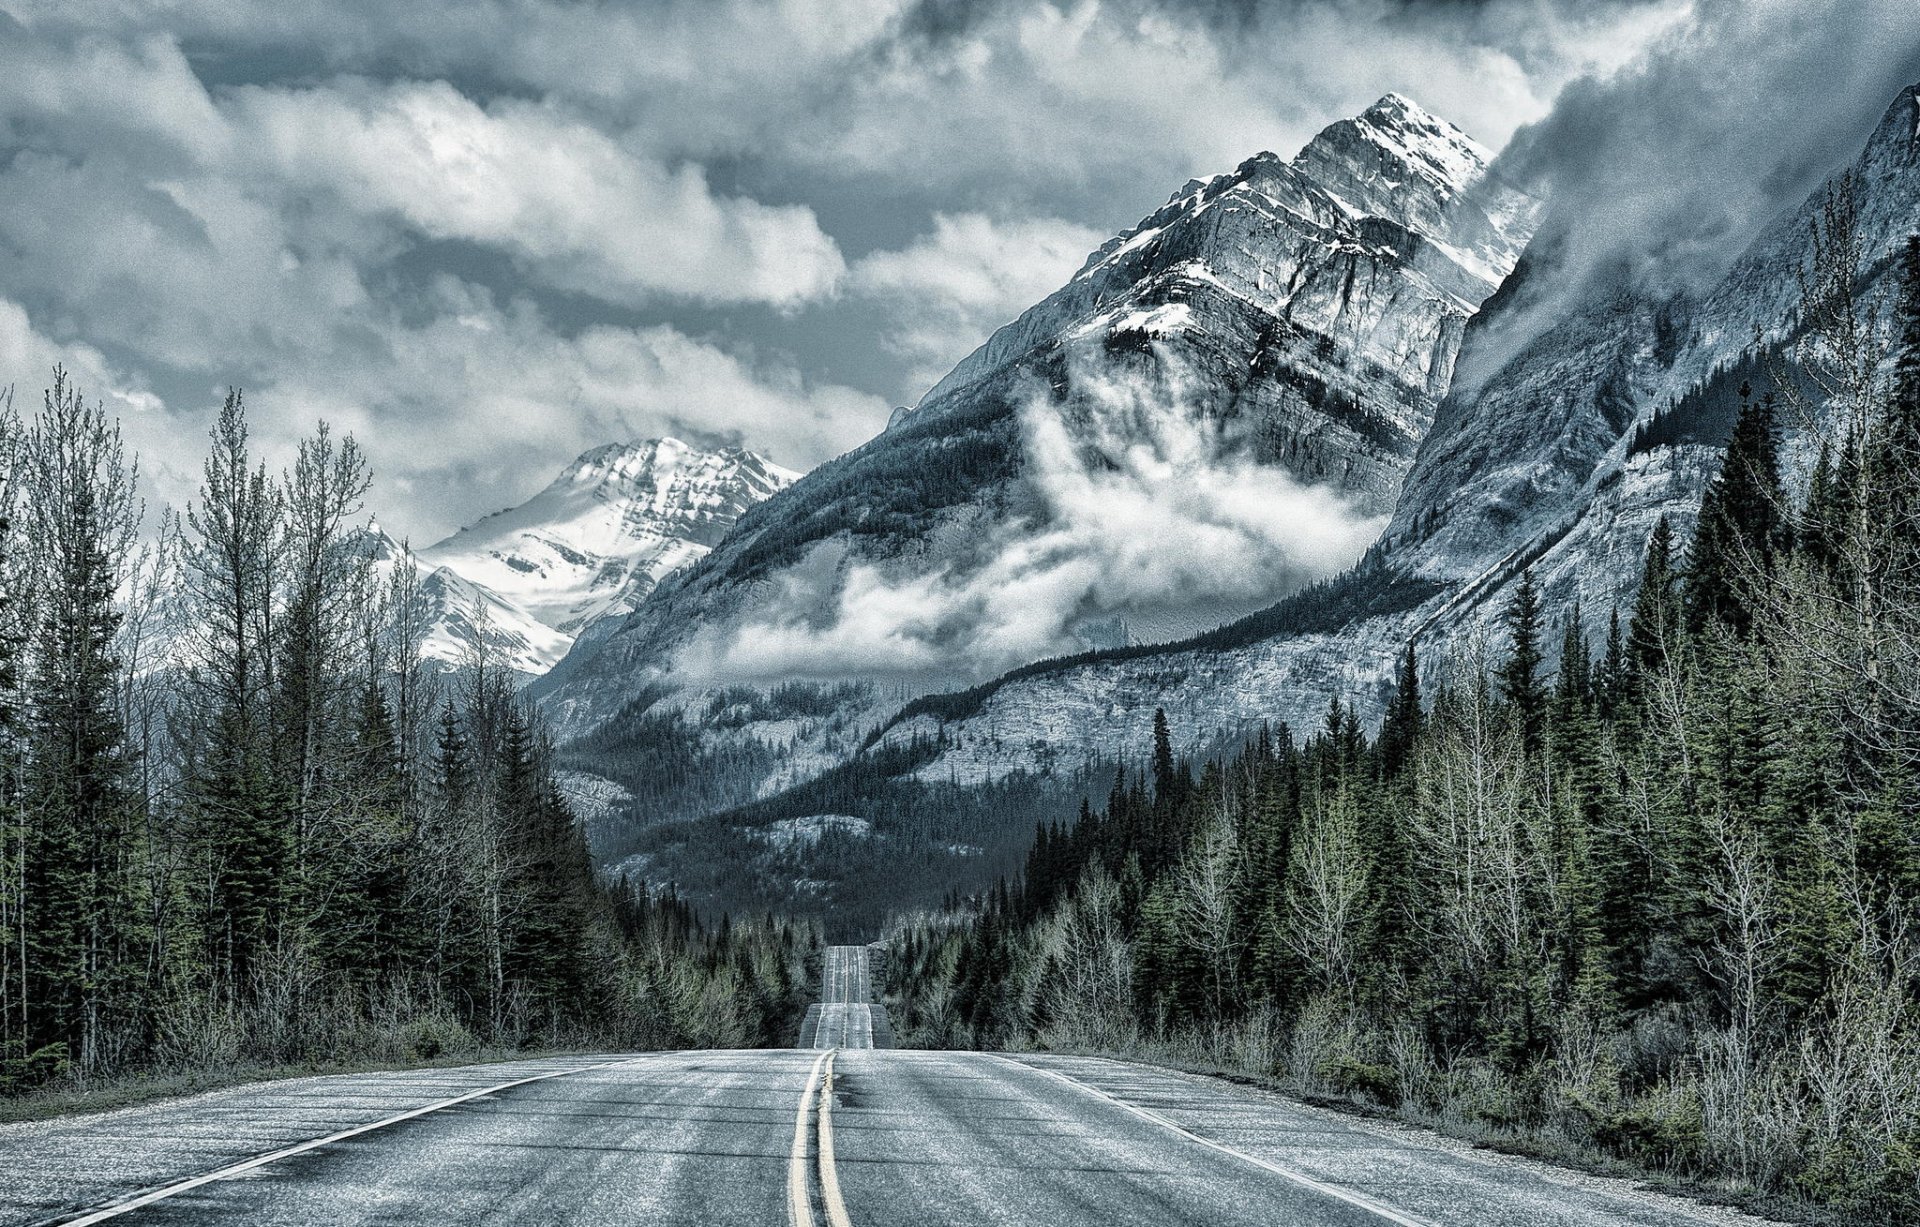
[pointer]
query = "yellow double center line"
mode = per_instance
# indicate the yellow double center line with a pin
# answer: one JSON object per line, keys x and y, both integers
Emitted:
{"x": 819, "y": 1097}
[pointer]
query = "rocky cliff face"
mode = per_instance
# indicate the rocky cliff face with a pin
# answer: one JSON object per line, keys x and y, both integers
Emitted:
{"x": 1282, "y": 332}
{"x": 1536, "y": 465}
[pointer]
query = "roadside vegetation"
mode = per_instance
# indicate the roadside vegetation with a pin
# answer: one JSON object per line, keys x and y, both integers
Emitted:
{"x": 1639, "y": 888}
{"x": 244, "y": 829}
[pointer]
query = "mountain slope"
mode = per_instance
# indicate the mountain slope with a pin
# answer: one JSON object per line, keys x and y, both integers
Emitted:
{"x": 1248, "y": 371}
{"x": 591, "y": 545}
{"x": 615, "y": 523}
{"x": 1534, "y": 465}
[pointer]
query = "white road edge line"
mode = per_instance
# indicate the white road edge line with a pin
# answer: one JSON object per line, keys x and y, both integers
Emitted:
{"x": 799, "y": 1204}
{"x": 258, "y": 1161}
{"x": 1359, "y": 1200}
{"x": 829, "y": 1172}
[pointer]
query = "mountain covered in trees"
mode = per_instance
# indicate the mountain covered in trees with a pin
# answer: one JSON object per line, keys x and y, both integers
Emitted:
{"x": 1643, "y": 889}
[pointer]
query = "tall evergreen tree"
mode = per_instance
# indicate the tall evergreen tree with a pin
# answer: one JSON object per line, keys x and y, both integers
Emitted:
{"x": 83, "y": 963}
{"x": 1400, "y": 728}
{"x": 237, "y": 811}
{"x": 1574, "y": 681}
{"x": 1741, "y": 526}
{"x": 1654, "y": 630}
{"x": 1520, "y": 680}
{"x": 1899, "y": 442}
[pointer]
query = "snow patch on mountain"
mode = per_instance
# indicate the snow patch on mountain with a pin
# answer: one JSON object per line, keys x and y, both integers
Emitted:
{"x": 1218, "y": 408}
{"x": 615, "y": 523}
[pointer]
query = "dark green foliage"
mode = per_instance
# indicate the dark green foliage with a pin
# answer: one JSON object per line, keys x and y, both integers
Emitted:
{"x": 79, "y": 879}
{"x": 1662, "y": 905}
{"x": 287, "y": 849}
{"x": 1653, "y": 633}
{"x": 1743, "y": 524}
{"x": 912, "y": 841}
{"x": 1520, "y": 681}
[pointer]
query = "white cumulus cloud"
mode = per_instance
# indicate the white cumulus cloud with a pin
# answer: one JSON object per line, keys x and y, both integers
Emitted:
{"x": 581, "y": 210}
{"x": 948, "y": 290}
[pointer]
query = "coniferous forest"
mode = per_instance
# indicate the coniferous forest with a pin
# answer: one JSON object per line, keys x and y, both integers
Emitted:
{"x": 1637, "y": 884}
{"x": 242, "y": 825}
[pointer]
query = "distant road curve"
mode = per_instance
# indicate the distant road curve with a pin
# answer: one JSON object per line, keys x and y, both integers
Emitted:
{"x": 804, "y": 1137}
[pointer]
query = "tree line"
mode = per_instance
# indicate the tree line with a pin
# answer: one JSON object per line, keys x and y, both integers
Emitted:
{"x": 1644, "y": 885}
{"x": 241, "y": 821}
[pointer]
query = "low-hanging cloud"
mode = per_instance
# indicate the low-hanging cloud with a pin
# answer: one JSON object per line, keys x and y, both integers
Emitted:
{"x": 1662, "y": 173}
{"x": 1150, "y": 511}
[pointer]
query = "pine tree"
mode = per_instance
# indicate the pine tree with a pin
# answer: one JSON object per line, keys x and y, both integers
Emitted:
{"x": 1400, "y": 728}
{"x": 1166, "y": 787}
{"x": 1898, "y": 442}
{"x": 1654, "y": 629}
{"x": 238, "y": 814}
{"x": 1520, "y": 676}
{"x": 80, "y": 879}
{"x": 1574, "y": 682}
{"x": 1741, "y": 528}
{"x": 1610, "y": 678}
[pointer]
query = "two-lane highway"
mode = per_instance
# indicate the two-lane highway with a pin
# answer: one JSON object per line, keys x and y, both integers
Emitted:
{"x": 846, "y": 1015}
{"x": 840, "y": 1136}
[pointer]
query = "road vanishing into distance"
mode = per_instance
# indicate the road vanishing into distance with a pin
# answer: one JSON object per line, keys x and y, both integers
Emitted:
{"x": 846, "y": 1015}
{"x": 835, "y": 1132}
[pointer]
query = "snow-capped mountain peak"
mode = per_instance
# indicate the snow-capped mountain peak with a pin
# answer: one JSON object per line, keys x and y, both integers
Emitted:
{"x": 617, "y": 521}
{"x": 1297, "y": 318}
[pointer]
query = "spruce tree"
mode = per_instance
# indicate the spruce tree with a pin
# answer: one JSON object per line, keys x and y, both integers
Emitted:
{"x": 1610, "y": 677}
{"x": 1520, "y": 675}
{"x": 1574, "y": 682}
{"x": 1400, "y": 728}
{"x": 80, "y": 877}
{"x": 237, "y": 812}
{"x": 1741, "y": 527}
{"x": 1654, "y": 629}
{"x": 1895, "y": 516}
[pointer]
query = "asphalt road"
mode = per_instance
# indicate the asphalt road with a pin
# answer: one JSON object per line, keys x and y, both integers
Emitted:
{"x": 876, "y": 1137}
{"x": 846, "y": 1016}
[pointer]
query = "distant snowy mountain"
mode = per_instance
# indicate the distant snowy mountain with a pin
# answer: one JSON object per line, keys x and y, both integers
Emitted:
{"x": 1219, "y": 407}
{"x": 620, "y": 519}
{"x": 592, "y": 545}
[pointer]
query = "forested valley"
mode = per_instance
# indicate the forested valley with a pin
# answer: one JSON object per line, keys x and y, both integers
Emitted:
{"x": 1657, "y": 906}
{"x": 243, "y": 826}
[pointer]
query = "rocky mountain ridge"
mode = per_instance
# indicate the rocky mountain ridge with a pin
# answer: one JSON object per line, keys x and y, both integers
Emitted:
{"x": 1543, "y": 464}
{"x": 1300, "y": 317}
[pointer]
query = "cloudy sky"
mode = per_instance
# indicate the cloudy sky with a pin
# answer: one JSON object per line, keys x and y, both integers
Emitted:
{"x": 485, "y": 235}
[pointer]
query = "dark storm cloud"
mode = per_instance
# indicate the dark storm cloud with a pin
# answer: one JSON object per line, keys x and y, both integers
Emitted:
{"x": 487, "y": 234}
{"x": 1660, "y": 176}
